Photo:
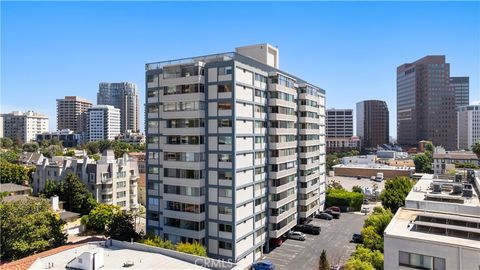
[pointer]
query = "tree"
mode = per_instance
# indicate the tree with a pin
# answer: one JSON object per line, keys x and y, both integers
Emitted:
{"x": 29, "y": 226}
{"x": 156, "y": 241}
{"x": 371, "y": 239}
{"x": 375, "y": 258}
{"x": 52, "y": 150}
{"x": 100, "y": 216}
{"x": 476, "y": 148}
{"x": 76, "y": 195}
{"x": 70, "y": 153}
{"x": 323, "y": 262}
{"x": 379, "y": 219}
{"x": 429, "y": 147}
{"x": 357, "y": 264}
{"x": 30, "y": 147}
{"x": 10, "y": 156}
{"x": 92, "y": 148}
{"x": 395, "y": 192}
{"x": 121, "y": 227}
{"x": 357, "y": 189}
{"x": 6, "y": 143}
{"x": 13, "y": 173}
{"x": 52, "y": 188}
{"x": 195, "y": 249}
{"x": 423, "y": 163}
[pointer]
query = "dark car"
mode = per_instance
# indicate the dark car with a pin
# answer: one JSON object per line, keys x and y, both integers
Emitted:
{"x": 263, "y": 265}
{"x": 357, "y": 238}
{"x": 324, "y": 216}
{"x": 307, "y": 228}
{"x": 334, "y": 214}
{"x": 305, "y": 220}
{"x": 334, "y": 208}
{"x": 276, "y": 242}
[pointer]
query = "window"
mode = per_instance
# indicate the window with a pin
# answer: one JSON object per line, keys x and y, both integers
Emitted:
{"x": 152, "y": 201}
{"x": 224, "y": 140}
{"x": 224, "y": 123}
{"x": 225, "y": 210}
{"x": 224, "y": 88}
{"x": 225, "y": 245}
{"x": 181, "y": 173}
{"x": 224, "y": 175}
{"x": 225, "y": 228}
{"x": 224, "y": 158}
{"x": 260, "y": 78}
{"x": 223, "y": 192}
{"x": 420, "y": 261}
{"x": 224, "y": 105}
{"x": 150, "y": 78}
{"x": 225, "y": 70}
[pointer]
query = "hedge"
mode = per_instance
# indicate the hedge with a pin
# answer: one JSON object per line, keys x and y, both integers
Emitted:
{"x": 341, "y": 197}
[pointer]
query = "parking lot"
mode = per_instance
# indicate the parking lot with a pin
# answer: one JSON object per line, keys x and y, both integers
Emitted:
{"x": 349, "y": 182}
{"x": 335, "y": 238}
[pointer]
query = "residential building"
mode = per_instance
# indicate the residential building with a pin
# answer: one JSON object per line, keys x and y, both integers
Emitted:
{"x": 372, "y": 123}
{"x": 103, "y": 123}
{"x": 114, "y": 254}
{"x": 438, "y": 228}
{"x": 468, "y": 119}
{"x": 111, "y": 181}
{"x": 1, "y": 126}
{"x": 235, "y": 151}
{"x": 131, "y": 137}
{"x": 444, "y": 161}
{"x": 123, "y": 96}
{"x": 22, "y": 127}
{"x": 30, "y": 158}
{"x": 14, "y": 189}
{"x": 71, "y": 113}
{"x": 461, "y": 87}
{"x": 68, "y": 137}
{"x": 339, "y": 131}
{"x": 426, "y": 103}
{"x": 142, "y": 182}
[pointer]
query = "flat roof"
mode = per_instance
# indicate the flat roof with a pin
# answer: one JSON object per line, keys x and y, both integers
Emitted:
{"x": 402, "y": 226}
{"x": 374, "y": 167}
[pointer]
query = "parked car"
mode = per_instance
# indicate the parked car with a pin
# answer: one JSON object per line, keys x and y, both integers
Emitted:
{"x": 366, "y": 201}
{"x": 276, "y": 242}
{"x": 296, "y": 235}
{"x": 263, "y": 265}
{"x": 334, "y": 208}
{"x": 305, "y": 220}
{"x": 307, "y": 228}
{"x": 365, "y": 210}
{"x": 333, "y": 213}
{"x": 324, "y": 215}
{"x": 357, "y": 238}
{"x": 359, "y": 177}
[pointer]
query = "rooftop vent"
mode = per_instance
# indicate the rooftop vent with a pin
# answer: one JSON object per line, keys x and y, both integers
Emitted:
{"x": 457, "y": 189}
{"x": 467, "y": 190}
{"x": 437, "y": 188}
{"x": 458, "y": 178}
{"x": 470, "y": 175}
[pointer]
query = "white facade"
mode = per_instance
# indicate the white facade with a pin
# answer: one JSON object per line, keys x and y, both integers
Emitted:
{"x": 443, "y": 161}
{"x": 111, "y": 181}
{"x": 437, "y": 228}
{"x": 468, "y": 126}
{"x": 24, "y": 126}
{"x": 238, "y": 165}
{"x": 103, "y": 123}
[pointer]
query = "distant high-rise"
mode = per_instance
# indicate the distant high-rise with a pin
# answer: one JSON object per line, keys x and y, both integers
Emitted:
{"x": 71, "y": 113}
{"x": 339, "y": 131}
{"x": 23, "y": 127}
{"x": 461, "y": 87}
{"x": 426, "y": 103}
{"x": 468, "y": 126}
{"x": 372, "y": 123}
{"x": 103, "y": 123}
{"x": 123, "y": 96}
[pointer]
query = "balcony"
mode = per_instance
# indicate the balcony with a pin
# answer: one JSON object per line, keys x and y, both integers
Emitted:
{"x": 107, "y": 191}
{"x": 107, "y": 181}
{"x": 283, "y": 230}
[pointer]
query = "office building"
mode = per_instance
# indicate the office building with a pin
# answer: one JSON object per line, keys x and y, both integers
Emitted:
{"x": 235, "y": 151}
{"x": 23, "y": 127}
{"x": 372, "y": 123}
{"x": 71, "y": 113}
{"x": 468, "y": 120}
{"x": 103, "y": 123}
{"x": 123, "y": 96}
{"x": 461, "y": 87}
{"x": 426, "y": 103}
{"x": 66, "y": 136}
{"x": 339, "y": 131}
{"x": 438, "y": 228}
{"x": 110, "y": 180}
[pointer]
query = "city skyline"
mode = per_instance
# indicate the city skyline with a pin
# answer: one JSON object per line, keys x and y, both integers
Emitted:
{"x": 357, "y": 48}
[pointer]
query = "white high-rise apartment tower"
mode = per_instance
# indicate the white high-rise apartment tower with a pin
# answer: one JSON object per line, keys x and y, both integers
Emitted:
{"x": 235, "y": 151}
{"x": 468, "y": 122}
{"x": 103, "y": 123}
{"x": 23, "y": 126}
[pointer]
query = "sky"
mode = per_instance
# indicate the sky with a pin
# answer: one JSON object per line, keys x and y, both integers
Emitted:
{"x": 351, "y": 49}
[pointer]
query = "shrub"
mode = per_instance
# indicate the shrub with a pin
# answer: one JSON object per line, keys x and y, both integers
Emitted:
{"x": 195, "y": 249}
{"x": 341, "y": 197}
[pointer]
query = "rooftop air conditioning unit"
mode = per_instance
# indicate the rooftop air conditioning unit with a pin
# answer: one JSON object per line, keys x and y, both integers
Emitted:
{"x": 458, "y": 178}
{"x": 437, "y": 188}
{"x": 470, "y": 175}
{"x": 467, "y": 190}
{"x": 457, "y": 190}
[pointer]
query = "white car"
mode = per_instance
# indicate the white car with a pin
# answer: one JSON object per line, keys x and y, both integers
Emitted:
{"x": 296, "y": 235}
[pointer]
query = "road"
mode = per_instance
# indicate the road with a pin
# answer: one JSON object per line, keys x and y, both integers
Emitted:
{"x": 334, "y": 238}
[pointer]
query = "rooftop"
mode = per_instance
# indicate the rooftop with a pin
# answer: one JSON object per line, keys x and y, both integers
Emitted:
{"x": 433, "y": 226}
{"x": 9, "y": 187}
{"x": 373, "y": 166}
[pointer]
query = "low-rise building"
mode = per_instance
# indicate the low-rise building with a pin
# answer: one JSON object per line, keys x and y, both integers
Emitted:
{"x": 342, "y": 144}
{"x": 131, "y": 137}
{"x": 365, "y": 160}
{"x": 443, "y": 161}
{"x": 30, "y": 158}
{"x": 113, "y": 254}
{"x": 68, "y": 137}
{"x": 439, "y": 227}
{"x": 14, "y": 189}
{"x": 111, "y": 181}
{"x": 369, "y": 170}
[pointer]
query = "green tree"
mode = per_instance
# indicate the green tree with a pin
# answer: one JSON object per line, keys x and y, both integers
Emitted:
{"x": 429, "y": 147}
{"x": 121, "y": 227}
{"x": 395, "y": 192}
{"x": 156, "y": 241}
{"x": 379, "y": 219}
{"x": 423, "y": 163}
{"x": 323, "y": 262}
{"x": 13, "y": 173}
{"x": 375, "y": 258}
{"x": 476, "y": 148}
{"x": 52, "y": 188}
{"x": 357, "y": 264}
{"x": 10, "y": 156}
{"x": 357, "y": 189}
{"x": 52, "y": 150}
{"x": 92, "y": 148}
{"x": 6, "y": 143}
{"x": 29, "y": 226}
{"x": 371, "y": 239}
{"x": 100, "y": 216}
{"x": 75, "y": 195}
{"x": 70, "y": 153}
{"x": 30, "y": 147}
{"x": 341, "y": 197}
{"x": 195, "y": 249}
